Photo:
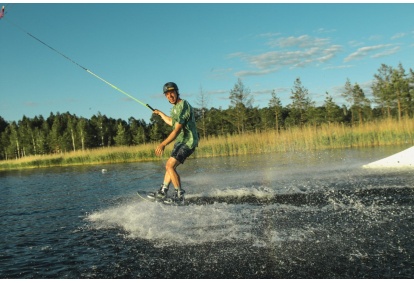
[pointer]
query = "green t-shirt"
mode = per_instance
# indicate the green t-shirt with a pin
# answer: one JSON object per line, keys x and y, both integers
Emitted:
{"x": 183, "y": 114}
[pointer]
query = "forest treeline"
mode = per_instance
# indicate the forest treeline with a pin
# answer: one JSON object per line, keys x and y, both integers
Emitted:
{"x": 392, "y": 89}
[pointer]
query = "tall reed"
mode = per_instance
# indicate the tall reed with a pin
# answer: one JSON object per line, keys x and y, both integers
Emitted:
{"x": 90, "y": 156}
{"x": 386, "y": 132}
{"x": 380, "y": 133}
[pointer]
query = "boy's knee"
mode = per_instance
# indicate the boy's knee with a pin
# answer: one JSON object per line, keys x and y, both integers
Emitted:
{"x": 168, "y": 167}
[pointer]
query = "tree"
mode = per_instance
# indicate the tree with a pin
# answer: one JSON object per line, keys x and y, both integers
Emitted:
{"x": 122, "y": 137}
{"x": 216, "y": 122}
{"x": 382, "y": 89}
{"x": 42, "y": 133}
{"x": 202, "y": 103}
{"x": 333, "y": 113}
{"x": 101, "y": 123}
{"x": 4, "y": 138}
{"x": 400, "y": 91}
{"x": 3, "y": 124}
{"x": 4, "y": 143}
{"x": 355, "y": 96}
{"x": 158, "y": 129}
{"x": 360, "y": 101}
{"x": 83, "y": 131}
{"x": 411, "y": 93}
{"x": 56, "y": 134}
{"x": 15, "y": 140}
{"x": 349, "y": 97}
{"x": 140, "y": 136}
{"x": 71, "y": 127}
{"x": 301, "y": 103}
{"x": 137, "y": 130}
{"x": 276, "y": 106}
{"x": 240, "y": 102}
{"x": 27, "y": 142}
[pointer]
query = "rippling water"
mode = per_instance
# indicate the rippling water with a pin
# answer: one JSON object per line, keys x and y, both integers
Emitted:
{"x": 295, "y": 215}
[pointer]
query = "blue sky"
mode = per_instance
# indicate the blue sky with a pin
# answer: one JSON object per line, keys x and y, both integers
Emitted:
{"x": 138, "y": 47}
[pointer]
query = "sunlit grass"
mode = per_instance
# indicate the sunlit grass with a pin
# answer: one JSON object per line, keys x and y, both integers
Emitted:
{"x": 386, "y": 132}
{"x": 92, "y": 156}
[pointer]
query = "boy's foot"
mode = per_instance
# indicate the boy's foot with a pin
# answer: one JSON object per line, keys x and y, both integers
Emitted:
{"x": 178, "y": 197}
{"x": 160, "y": 194}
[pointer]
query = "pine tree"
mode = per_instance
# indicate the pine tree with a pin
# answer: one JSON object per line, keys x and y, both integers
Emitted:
{"x": 276, "y": 106}
{"x": 202, "y": 103}
{"x": 382, "y": 89}
{"x": 301, "y": 103}
{"x": 333, "y": 111}
{"x": 121, "y": 137}
{"x": 240, "y": 102}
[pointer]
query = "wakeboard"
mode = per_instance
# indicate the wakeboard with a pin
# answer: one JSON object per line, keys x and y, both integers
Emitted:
{"x": 165, "y": 201}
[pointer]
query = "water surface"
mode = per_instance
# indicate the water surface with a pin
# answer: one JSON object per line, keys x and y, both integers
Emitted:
{"x": 294, "y": 215}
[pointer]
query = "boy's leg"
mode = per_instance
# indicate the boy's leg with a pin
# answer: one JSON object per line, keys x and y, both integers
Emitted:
{"x": 171, "y": 174}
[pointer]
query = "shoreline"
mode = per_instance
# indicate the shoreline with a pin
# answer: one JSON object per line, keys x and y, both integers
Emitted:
{"x": 333, "y": 136}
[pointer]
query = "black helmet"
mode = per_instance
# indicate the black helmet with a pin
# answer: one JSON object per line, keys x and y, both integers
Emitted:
{"x": 170, "y": 86}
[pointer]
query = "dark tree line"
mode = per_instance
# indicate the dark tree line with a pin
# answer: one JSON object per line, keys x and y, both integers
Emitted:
{"x": 392, "y": 88}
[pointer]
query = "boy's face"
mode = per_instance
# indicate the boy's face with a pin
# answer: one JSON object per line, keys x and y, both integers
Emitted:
{"x": 172, "y": 96}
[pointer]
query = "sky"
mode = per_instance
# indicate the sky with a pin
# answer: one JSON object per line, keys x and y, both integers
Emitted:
{"x": 202, "y": 47}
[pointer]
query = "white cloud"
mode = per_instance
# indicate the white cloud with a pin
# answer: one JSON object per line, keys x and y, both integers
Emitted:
{"x": 291, "y": 52}
{"x": 217, "y": 92}
{"x": 386, "y": 52}
{"x": 303, "y": 41}
{"x": 269, "y": 34}
{"x": 354, "y": 43}
{"x": 269, "y": 91}
{"x": 378, "y": 50}
{"x": 398, "y": 35}
{"x": 324, "y": 30}
{"x": 256, "y": 73}
{"x": 375, "y": 37}
{"x": 219, "y": 73}
{"x": 338, "y": 67}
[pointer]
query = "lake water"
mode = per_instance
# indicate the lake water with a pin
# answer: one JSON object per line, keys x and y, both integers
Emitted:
{"x": 291, "y": 215}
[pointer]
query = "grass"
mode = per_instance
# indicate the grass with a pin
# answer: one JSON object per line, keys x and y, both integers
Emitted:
{"x": 386, "y": 132}
{"x": 92, "y": 156}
